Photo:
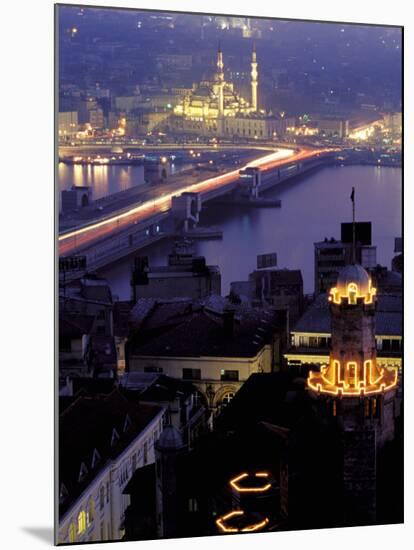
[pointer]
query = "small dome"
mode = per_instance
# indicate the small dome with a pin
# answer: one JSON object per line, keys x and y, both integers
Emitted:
{"x": 353, "y": 282}
{"x": 355, "y": 274}
{"x": 170, "y": 439}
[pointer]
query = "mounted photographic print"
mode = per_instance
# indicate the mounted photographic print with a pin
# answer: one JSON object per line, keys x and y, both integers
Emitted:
{"x": 229, "y": 270}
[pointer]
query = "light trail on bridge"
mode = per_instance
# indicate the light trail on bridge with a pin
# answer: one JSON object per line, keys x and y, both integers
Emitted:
{"x": 92, "y": 233}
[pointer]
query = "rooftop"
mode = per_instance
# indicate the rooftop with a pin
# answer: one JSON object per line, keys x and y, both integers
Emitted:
{"x": 92, "y": 431}
{"x": 317, "y": 317}
{"x": 195, "y": 328}
{"x": 281, "y": 276}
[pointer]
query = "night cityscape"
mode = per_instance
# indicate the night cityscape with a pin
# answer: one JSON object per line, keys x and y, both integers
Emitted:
{"x": 229, "y": 195}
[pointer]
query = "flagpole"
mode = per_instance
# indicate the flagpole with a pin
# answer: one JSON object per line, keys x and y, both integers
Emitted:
{"x": 353, "y": 226}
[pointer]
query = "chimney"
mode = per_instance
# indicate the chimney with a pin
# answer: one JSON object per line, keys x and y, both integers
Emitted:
{"x": 228, "y": 321}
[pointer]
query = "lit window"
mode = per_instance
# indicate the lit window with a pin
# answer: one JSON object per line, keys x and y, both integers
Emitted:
{"x": 81, "y": 522}
{"x": 72, "y": 532}
{"x": 192, "y": 505}
{"x": 352, "y": 293}
{"x": 227, "y": 397}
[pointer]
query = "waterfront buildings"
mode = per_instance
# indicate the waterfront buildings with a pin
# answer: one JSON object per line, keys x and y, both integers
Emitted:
{"x": 182, "y": 347}
{"x": 67, "y": 124}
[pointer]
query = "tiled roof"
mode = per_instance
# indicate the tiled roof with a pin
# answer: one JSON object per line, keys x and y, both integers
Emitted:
{"x": 202, "y": 333}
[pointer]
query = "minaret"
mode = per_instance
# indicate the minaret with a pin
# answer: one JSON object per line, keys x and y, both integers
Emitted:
{"x": 356, "y": 394}
{"x": 254, "y": 75}
{"x": 220, "y": 78}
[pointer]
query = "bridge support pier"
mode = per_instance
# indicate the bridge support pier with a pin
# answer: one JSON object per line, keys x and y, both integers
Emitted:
{"x": 185, "y": 210}
{"x": 251, "y": 179}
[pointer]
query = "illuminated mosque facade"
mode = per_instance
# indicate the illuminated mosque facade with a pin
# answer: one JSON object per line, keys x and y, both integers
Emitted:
{"x": 214, "y": 107}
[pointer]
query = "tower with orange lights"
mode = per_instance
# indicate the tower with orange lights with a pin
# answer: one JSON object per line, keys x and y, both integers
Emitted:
{"x": 352, "y": 372}
{"x": 353, "y": 390}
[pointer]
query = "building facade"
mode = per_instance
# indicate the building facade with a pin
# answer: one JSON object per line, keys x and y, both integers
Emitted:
{"x": 215, "y": 347}
{"x": 311, "y": 337}
{"x": 103, "y": 440}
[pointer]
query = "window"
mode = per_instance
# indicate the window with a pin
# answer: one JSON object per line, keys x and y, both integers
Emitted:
{"x": 192, "y": 374}
{"x": 313, "y": 342}
{"x": 134, "y": 462}
{"x": 192, "y": 505}
{"x": 107, "y": 491}
{"x": 95, "y": 458}
{"x": 145, "y": 452}
{"x": 83, "y": 472}
{"x": 127, "y": 423}
{"x": 153, "y": 369}
{"x": 395, "y": 345}
{"x": 81, "y": 522}
{"x": 63, "y": 494}
{"x": 227, "y": 397}
{"x": 101, "y": 315}
{"x": 91, "y": 511}
{"x": 114, "y": 437}
{"x": 352, "y": 293}
{"x": 229, "y": 375}
{"x": 386, "y": 344}
{"x": 102, "y": 497}
{"x": 72, "y": 532}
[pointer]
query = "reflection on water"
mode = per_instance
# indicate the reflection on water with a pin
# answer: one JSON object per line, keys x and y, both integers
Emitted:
{"x": 313, "y": 208}
{"x": 104, "y": 180}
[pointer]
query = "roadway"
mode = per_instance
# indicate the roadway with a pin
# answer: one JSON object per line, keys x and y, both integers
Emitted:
{"x": 89, "y": 235}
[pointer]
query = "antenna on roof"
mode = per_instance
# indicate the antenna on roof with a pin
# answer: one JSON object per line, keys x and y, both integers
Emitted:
{"x": 353, "y": 225}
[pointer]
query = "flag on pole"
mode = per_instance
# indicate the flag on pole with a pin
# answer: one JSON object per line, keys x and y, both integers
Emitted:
{"x": 353, "y": 195}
